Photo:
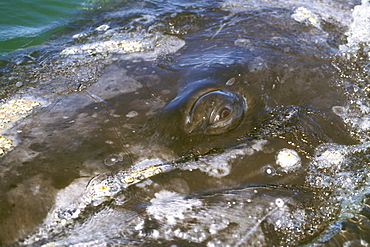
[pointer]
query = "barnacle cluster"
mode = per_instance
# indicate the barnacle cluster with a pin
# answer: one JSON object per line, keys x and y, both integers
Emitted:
{"x": 6, "y": 144}
{"x": 140, "y": 174}
{"x": 10, "y": 112}
{"x": 287, "y": 159}
{"x": 117, "y": 46}
{"x": 105, "y": 187}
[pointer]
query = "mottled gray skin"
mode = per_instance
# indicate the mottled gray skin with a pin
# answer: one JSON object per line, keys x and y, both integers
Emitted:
{"x": 76, "y": 135}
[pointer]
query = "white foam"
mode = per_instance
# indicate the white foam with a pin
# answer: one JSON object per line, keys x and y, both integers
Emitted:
{"x": 330, "y": 158}
{"x": 334, "y": 168}
{"x": 356, "y": 115}
{"x": 220, "y": 164}
{"x": 71, "y": 192}
{"x": 359, "y": 30}
{"x": 320, "y": 10}
{"x": 169, "y": 207}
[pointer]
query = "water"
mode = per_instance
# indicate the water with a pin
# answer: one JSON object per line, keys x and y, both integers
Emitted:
{"x": 27, "y": 23}
{"x": 178, "y": 123}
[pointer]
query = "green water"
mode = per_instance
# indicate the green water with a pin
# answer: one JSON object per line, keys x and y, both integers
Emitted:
{"x": 25, "y": 23}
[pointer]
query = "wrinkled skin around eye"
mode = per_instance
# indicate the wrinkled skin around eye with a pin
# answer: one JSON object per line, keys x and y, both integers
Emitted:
{"x": 215, "y": 112}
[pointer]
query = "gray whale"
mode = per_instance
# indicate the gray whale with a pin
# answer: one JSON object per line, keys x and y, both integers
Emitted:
{"x": 217, "y": 109}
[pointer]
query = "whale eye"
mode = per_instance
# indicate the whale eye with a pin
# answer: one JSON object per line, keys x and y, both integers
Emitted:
{"x": 215, "y": 112}
{"x": 222, "y": 113}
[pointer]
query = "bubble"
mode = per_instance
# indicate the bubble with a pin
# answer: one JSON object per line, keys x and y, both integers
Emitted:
{"x": 169, "y": 207}
{"x": 339, "y": 110}
{"x": 279, "y": 202}
{"x": 269, "y": 170}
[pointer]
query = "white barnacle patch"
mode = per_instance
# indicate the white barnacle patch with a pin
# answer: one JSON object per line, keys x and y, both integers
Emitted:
{"x": 303, "y": 15}
{"x": 15, "y": 109}
{"x": 120, "y": 46}
{"x": 170, "y": 207}
{"x": 288, "y": 159}
{"x": 100, "y": 191}
{"x": 142, "y": 171}
{"x": 10, "y": 112}
{"x": 102, "y": 188}
{"x": 6, "y": 144}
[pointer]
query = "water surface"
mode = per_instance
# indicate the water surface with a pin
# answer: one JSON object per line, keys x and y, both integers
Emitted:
{"x": 25, "y": 22}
